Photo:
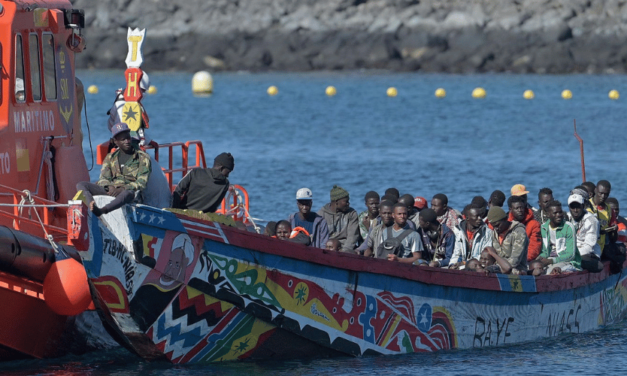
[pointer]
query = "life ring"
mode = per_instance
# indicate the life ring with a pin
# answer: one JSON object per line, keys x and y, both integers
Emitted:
{"x": 235, "y": 204}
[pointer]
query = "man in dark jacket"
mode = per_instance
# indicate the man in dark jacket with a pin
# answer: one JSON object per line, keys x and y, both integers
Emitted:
{"x": 204, "y": 189}
{"x": 342, "y": 220}
{"x": 314, "y": 224}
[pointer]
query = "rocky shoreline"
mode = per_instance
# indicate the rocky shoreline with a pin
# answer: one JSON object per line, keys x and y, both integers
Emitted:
{"x": 457, "y": 36}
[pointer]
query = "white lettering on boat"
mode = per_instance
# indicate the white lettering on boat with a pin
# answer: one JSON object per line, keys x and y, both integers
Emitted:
{"x": 314, "y": 311}
{"x": 33, "y": 121}
{"x": 117, "y": 250}
{"x": 5, "y": 163}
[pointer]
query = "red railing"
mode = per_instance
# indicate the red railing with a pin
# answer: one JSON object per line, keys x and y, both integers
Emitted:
{"x": 27, "y": 216}
{"x": 185, "y": 149}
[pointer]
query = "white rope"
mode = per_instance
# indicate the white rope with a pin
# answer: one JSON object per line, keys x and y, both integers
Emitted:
{"x": 27, "y": 197}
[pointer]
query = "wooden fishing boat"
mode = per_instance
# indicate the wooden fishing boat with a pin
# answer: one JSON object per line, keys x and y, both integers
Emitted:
{"x": 194, "y": 289}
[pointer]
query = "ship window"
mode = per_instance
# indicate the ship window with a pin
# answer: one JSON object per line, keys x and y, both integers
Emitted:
{"x": 20, "y": 94}
{"x": 35, "y": 71}
{"x": 50, "y": 78}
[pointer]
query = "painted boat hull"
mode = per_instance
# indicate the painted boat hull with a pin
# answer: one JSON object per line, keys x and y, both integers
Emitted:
{"x": 240, "y": 295}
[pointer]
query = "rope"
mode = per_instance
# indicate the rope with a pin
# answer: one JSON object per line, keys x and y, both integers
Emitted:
{"x": 28, "y": 197}
{"x": 91, "y": 149}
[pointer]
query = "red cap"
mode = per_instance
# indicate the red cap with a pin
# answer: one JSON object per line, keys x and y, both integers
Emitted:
{"x": 420, "y": 203}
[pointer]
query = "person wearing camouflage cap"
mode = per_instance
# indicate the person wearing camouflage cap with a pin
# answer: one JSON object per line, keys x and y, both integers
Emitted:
{"x": 342, "y": 220}
{"x": 509, "y": 239}
{"x": 124, "y": 173}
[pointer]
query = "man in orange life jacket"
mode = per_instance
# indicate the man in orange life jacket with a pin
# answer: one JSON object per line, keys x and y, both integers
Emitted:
{"x": 204, "y": 188}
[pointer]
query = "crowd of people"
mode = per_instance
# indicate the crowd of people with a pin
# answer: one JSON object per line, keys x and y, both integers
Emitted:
{"x": 486, "y": 236}
{"x": 500, "y": 235}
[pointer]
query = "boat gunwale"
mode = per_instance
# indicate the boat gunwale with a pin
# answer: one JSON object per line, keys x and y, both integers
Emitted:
{"x": 426, "y": 275}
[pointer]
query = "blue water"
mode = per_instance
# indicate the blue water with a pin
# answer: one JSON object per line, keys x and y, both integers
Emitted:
{"x": 363, "y": 140}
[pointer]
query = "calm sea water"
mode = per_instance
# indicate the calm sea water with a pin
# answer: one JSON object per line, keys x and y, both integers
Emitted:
{"x": 362, "y": 140}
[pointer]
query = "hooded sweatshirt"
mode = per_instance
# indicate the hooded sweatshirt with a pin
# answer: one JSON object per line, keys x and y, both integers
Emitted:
{"x": 342, "y": 226}
{"x": 532, "y": 228}
{"x": 320, "y": 234}
{"x": 201, "y": 189}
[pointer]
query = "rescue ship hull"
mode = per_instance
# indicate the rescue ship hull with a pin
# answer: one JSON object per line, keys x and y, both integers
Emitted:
{"x": 194, "y": 290}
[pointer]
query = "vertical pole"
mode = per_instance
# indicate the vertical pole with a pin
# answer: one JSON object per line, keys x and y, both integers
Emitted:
{"x": 583, "y": 164}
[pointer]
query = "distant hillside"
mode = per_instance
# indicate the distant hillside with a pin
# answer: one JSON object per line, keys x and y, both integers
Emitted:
{"x": 541, "y": 36}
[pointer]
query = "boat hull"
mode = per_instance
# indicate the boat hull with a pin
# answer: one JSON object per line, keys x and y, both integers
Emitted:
{"x": 195, "y": 291}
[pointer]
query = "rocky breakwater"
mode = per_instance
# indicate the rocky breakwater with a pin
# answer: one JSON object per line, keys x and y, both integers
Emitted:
{"x": 541, "y": 36}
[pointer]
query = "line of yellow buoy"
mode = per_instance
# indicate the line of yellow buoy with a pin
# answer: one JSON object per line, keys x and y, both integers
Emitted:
{"x": 478, "y": 93}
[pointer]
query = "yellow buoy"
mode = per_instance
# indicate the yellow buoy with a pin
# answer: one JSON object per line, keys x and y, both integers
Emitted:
{"x": 479, "y": 93}
{"x": 330, "y": 91}
{"x": 152, "y": 90}
{"x": 567, "y": 94}
{"x": 272, "y": 90}
{"x": 202, "y": 83}
{"x": 92, "y": 89}
{"x": 392, "y": 92}
{"x": 613, "y": 94}
{"x": 528, "y": 94}
{"x": 440, "y": 93}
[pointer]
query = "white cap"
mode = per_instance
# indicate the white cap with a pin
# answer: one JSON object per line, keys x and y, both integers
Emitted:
{"x": 304, "y": 194}
{"x": 575, "y": 198}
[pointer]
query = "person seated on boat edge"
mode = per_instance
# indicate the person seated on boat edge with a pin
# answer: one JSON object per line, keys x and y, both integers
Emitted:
{"x": 400, "y": 242}
{"x": 536, "y": 268}
{"x": 446, "y": 215}
{"x": 615, "y": 250}
{"x": 587, "y": 232}
{"x": 603, "y": 212}
{"x": 481, "y": 203}
{"x": 489, "y": 262}
{"x": 374, "y": 239}
{"x": 342, "y": 220}
{"x": 333, "y": 245}
{"x": 438, "y": 241}
{"x": 509, "y": 239}
{"x": 412, "y": 213}
{"x": 270, "y": 229}
{"x": 545, "y": 195}
{"x": 518, "y": 211}
{"x": 521, "y": 190}
{"x": 497, "y": 198}
{"x": 204, "y": 188}
{"x": 298, "y": 235}
{"x": 590, "y": 187}
{"x": 393, "y": 194}
{"x": 315, "y": 225}
{"x": 369, "y": 217}
{"x": 559, "y": 241}
{"x": 621, "y": 222}
{"x": 471, "y": 236}
{"x": 124, "y": 174}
